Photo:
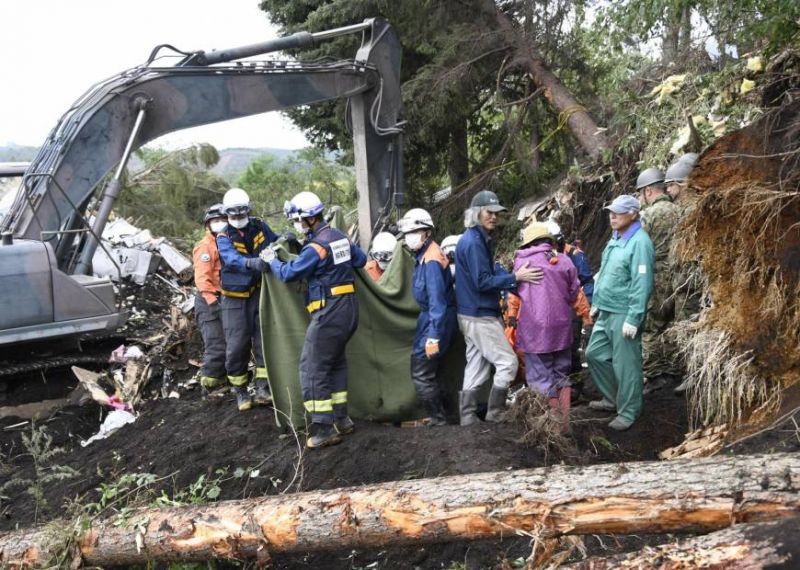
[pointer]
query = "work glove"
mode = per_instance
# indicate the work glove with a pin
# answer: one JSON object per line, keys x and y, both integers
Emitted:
{"x": 593, "y": 312}
{"x": 629, "y": 331}
{"x": 432, "y": 347}
{"x": 512, "y": 322}
{"x": 267, "y": 255}
{"x": 256, "y": 264}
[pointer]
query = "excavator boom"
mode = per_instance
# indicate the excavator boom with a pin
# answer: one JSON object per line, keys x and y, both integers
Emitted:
{"x": 48, "y": 220}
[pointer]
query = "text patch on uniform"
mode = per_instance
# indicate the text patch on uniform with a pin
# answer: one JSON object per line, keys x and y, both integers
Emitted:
{"x": 642, "y": 269}
{"x": 340, "y": 250}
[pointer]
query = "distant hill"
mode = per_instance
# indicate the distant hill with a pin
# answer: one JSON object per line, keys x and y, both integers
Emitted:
{"x": 232, "y": 161}
{"x": 17, "y": 153}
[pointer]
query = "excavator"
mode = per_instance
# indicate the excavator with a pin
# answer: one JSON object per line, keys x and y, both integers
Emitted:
{"x": 52, "y": 230}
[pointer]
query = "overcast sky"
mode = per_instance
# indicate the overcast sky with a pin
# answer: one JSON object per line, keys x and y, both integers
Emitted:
{"x": 54, "y": 50}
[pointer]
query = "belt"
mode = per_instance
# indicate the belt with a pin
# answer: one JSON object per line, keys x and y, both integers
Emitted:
{"x": 335, "y": 292}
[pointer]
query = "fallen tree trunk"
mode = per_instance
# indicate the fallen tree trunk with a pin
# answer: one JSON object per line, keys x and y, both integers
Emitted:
{"x": 676, "y": 496}
{"x": 748, "y": 546}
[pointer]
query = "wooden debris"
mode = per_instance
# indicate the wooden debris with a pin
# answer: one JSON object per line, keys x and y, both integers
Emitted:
{"x": 650, "y": 497}
{"x": 699, "y": 443}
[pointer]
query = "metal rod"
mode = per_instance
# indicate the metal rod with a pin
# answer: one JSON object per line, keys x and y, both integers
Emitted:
{"x": 109, "y": 197}
{"x": 296, "y": 40}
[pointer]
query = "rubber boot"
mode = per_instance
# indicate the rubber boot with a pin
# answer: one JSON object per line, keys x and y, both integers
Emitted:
{"x": 468, "y": 405}
{"x": 243, "y": 401}
{"x": 564, "y": 405}
{"x": 435, "y": 411}
{"x": 263, "y": 395}
{"x": 497, "y": 405}
{"x": 344, "y": 425}
{"x": 323, "y": 436}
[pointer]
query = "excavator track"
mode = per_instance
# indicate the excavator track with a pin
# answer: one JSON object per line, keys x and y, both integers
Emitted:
{"x": 12, "y": 369}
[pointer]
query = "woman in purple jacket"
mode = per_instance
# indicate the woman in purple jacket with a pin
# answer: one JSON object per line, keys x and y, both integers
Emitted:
{"x": 544, "y": 324}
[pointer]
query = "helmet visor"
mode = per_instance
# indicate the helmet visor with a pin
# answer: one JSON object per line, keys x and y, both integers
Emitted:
{"x": 235, "y": 211}
{"x": 382, "y": 256}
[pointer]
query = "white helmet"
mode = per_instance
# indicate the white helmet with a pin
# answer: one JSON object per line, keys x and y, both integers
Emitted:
{"x": 303, "y": 205}
{"x": 415, "y": 219}
{"x": 553, "y": 228}
{"x": 449, "y": 244}
{"x": 384, "y": 242}
{"x": 382, "y": 249}
{"x": 236, "y": 202}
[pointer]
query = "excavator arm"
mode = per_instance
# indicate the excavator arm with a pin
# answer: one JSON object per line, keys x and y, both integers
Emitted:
{"x": 48, "y": 243}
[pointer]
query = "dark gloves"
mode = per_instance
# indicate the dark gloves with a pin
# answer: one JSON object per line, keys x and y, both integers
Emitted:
{"x": 256, "y": 264}
{"x": 512, "y": 322}
{"x": 290, "y": 237}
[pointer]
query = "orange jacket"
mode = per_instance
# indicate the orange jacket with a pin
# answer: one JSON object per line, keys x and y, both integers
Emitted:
{"x": 580, "y": 306}
{"x": 373, "y": 269}
{"x": 205, "y": 258}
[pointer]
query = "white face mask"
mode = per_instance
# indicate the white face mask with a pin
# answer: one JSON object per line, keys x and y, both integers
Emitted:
{"x": 300, "y": 228}
{"x": 238, "y": 223}
{"x": 218, "y": 226}
{"x": 453, "y": 269}
{"x": 414, "y": 241}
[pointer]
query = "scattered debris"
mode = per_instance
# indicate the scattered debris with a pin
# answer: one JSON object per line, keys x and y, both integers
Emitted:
{"x": 699, "y": 443}
{"x": 113, "y": 422}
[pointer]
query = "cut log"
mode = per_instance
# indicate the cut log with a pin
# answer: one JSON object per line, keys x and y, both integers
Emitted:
{"x": 677, "y": 496}
{"x": 747, "y": 546}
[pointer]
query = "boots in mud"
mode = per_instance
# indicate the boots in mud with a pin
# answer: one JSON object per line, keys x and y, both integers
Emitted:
{"x": 322, "y": 435}
{"x": 468, "y": 406}
{"x": 263, "y": 395}
{"x": 561, "y": 406}
{"x": 243, "y": 401}
{"x": 496, "y": 412}
{"x": 435, "y": 410}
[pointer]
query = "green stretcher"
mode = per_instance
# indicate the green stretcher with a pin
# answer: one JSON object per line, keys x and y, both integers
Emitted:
{"x": 378, "y": 355}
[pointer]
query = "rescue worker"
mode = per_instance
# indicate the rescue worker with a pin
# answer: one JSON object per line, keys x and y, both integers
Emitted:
{"x": 326, "y": 262}
{"x": 660, "y": 218}
{"x": 239, "y": 246}
{"x": 436, "y": 324}
{"x": 677, "y": 176}
{"x": 449, "y": 249}
{"x": 622, "y": 289}
{"x": 205, "y": 259}
{"x": 480, "y": 283}
{"x": 686, "y": 289}
{"x": 380, "y": 254}
{"x": 544, "y": 323}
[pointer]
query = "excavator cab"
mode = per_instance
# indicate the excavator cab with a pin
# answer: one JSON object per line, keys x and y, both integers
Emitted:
{"x": 52, "y": 231}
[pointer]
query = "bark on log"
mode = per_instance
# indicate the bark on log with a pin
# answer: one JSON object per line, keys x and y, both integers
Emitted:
{"x": 747, "y": 546}
{"x": 676, "y": 496}
{"x": 578, "y": 119}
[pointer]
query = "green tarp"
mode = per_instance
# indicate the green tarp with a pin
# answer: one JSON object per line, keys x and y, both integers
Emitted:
{"x": 378, "y": 356}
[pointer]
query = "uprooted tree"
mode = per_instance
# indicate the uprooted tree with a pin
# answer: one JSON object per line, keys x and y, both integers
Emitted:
{"x": 678, "y": 496}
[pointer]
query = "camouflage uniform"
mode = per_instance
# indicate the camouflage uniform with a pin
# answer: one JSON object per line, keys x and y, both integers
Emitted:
{"x": 686, "y": 285}
{"x": 660, "y": 220}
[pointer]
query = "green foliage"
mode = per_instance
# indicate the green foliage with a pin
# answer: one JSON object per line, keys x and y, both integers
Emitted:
{"x": 270, "y": 182}
{"x": 39, "y": 445}
{"x": 171, "y": 193}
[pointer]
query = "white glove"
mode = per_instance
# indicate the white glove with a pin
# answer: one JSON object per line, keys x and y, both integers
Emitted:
{"x": 593, "y": 312}
{"x": 629, "y": 331}
{"x": 268, "y": 254}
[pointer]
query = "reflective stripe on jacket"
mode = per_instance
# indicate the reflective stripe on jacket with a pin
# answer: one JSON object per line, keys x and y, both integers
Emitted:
{"x": 235, "y": 248}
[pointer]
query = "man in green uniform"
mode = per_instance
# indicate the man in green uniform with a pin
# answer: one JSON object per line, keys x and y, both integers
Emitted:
{"x": 660, "y": 220}
{"x": 685, "y": 275}
{"x": 619, "y": 305}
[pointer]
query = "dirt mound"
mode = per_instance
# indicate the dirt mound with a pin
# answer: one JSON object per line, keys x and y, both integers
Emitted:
{"x": 246, "y": 455}
{"x": 745, "y": 235}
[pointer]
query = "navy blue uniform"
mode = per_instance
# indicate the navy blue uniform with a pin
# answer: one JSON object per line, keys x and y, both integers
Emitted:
{"x": 240, "y": 297}
{"x": 326, "y": 262}
{"x": 433, "y": 291}
{"x": 480, "y": 281}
